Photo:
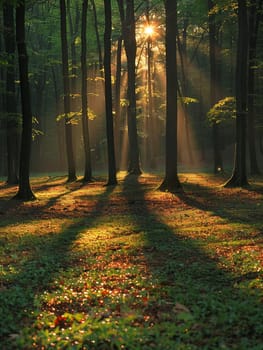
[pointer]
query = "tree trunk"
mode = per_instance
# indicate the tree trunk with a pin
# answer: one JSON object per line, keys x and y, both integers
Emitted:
{"x": 24, "y": 189}
{"x": 171, "y": 182}
{"x": 65, "y": 72}
{"x": 117, "y": 103}
{"x": 97, "y": 37}
{"x": 254, "y": 19}
{"x": 214, "y": 85}
{"x": 128, "y": 31}
{"x": 183, "y": 92}
{"x": 12, "y": 135}
{"x": 239, "y": 175}
{"x": 112, "y": 180}
{"x": 59, "y": 126}
{"x": 84, "y": 94}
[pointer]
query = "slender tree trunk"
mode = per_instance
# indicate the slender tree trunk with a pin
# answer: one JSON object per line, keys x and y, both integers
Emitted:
{"x": 128, "y": 31}
{"x": 10, "y": 98}
{"x": 60, "y": 126}
{"x": 254, "y": 19}
{"x": 118, "y": 102}
{"x": 73, "y": 31}
{"x": 183, "y": 91}
{"x": 38, "y": 112}
{"x": 96, "y": 26}
{"x": 112, "y": 180}
{"x": 3, "y": 159}
{"x": 84, "y": 94}
{"x": 152, "y": 139}
{"x": 171, "y": 181}
{"x": 239, "y": 175}
{"x": 214, "y": 83}
{"x": 65, "y": 72}
{"x": 24, "y": 189}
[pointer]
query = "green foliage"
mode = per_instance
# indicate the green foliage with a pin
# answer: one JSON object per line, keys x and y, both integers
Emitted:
{"x": 74, "y": 117}
{"x": 124, "y": 102}
{"x": 188, "y": 100}
{"x": 35, "y": 131}
{"x": 223, "y": 111}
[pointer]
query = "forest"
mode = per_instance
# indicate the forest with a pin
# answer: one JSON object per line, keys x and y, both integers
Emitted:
{"x": 131, "y": 148}
{"x": 207, "y": 62}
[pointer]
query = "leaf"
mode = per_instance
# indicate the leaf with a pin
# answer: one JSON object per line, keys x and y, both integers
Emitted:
{"x": 60, "y": 321}
{"x": 179, "y": 308}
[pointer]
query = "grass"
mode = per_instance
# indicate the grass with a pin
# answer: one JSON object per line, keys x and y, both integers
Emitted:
{"x": 129, "y": 267}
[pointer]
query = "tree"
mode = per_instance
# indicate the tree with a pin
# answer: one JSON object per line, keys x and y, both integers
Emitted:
{"x": 24, "y": 189}
{"x": 239, "y": 174}
{"x": 255, "y": 15}
{"x": 66, "y": 97}
{"x": 10, "y": 96}
{"x": 117, "y": 101}
{"x": 171, "y": 181}
{"x": 84, "y": 91}
{"x": 214, "y": 82}
{"x": 108, "y": 94}
{"x": 96, "y": 27}
{"x": 73, "y": 30}
{"x": 128, "y": 33}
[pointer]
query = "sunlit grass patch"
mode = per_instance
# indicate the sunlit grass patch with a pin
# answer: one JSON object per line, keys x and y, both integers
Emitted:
{"x": 130, "y": 267}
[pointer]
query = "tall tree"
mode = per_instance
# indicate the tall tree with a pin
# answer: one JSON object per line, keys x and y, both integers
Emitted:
{"x": 10, "y": 97}
{"x": 96, "y": 27}
{"x": 24, "y": 189}
{"x": 214, "y": 82}
{"x": 239, "y": 174}
{"x": 66, "y": 97}
{"x": 128, "y": 32}
{"x": 183, "y": 86}
{"x": 73, "y": 30}
{"x": 171, "y": 181}
{"x": 117, "y": 101}
{"x": 255, "y": 15}
{"x": 112, "y": 180}
{"x": 84, "y": 94}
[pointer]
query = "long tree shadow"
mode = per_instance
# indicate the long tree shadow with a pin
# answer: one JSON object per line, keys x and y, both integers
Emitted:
{"x": 201, "y": 299}
{"x": 239, "y": 208}
{"x": 13, "y": 212}
{"x": 44, "y": 259}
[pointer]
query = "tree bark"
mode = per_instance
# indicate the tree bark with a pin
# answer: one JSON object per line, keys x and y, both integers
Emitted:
{"x": 97, "y": 37}
{"x": 112, "y": 180}
{"x": 171, "y": 181}
{"x": 128, "y": 32}
{"x": 84, "y": 94}
{"x": 117, "y": 103}
{"x": 24, "y": 190}
{"x": 12, "y": 135}
{"x": 183, "y": 91}
{"x": 66, "y": 97}
{"x": 239, "y": 174}
{"x": 254, "y": 19}
{"x": 214, "y": 85}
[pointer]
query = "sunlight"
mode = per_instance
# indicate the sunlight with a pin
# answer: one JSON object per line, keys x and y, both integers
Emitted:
{"x": 149, "y": 30}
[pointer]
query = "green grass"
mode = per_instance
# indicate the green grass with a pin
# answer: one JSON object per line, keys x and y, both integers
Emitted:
{"x": 129, "y": 267}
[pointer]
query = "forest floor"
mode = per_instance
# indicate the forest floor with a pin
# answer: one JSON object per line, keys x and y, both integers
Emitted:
{"x": 130, "y": 267}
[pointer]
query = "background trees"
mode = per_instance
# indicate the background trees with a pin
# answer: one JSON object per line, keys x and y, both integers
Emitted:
{"x": 138, "y": 81}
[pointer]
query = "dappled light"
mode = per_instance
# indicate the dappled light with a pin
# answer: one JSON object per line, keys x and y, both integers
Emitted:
{"x": 123, "y": 262}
